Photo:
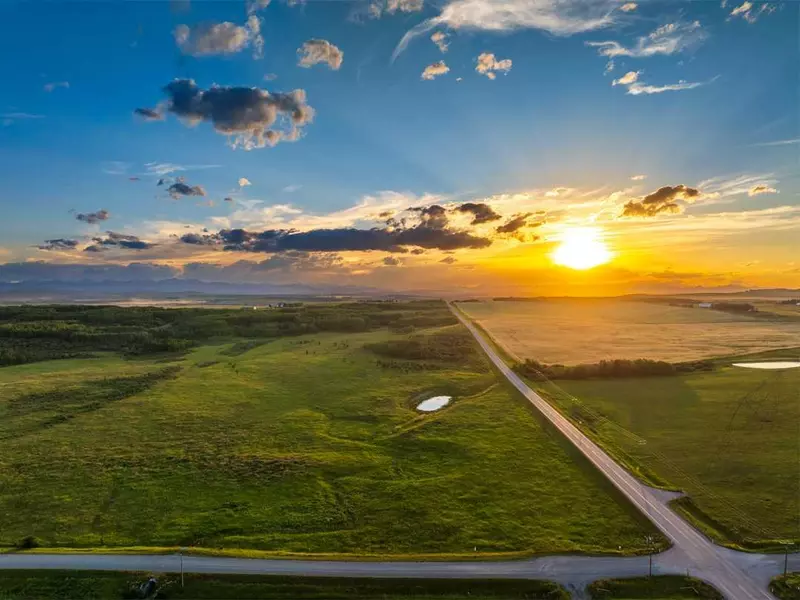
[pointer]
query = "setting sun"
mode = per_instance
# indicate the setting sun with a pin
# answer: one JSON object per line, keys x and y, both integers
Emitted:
{"x": 581, "y": 248}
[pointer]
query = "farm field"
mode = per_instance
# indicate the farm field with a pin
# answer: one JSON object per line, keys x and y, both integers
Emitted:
{"x": 92, "y": 585}
{"x": 573, "y": 331}
{"x": 726, "y": 437}
{"x": 294, "y": 442}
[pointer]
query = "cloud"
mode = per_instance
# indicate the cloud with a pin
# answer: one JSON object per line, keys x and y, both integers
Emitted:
{"x": 58, "y": 244}
{"x": 557, "y": 17}
{"x": 12, "y": 117}
{"x": 93, "y": 217}
{"x": 49, "y": 87}
{"x": 435, "y": 70}
{"x": 728, "y": 186}
{"x": 377, "y": 8}
{"x": 637, "y": 89}
{"x": 117, "y": 240}
{"x": 663, "y": 200}
{"x": 247, "y": 115}
{"x": 391, "y": 261}
{"x": 46, "y": 271}
{"x": 179, "y": 188}
{"x": 667, "y": 39}
{"x": 448, "y": 260}
{"x": 487, "y": 64}
{"x": 227, "y": 199}
{"x": 779, "y": 143}
{"x": 440, "y": 39}
{"x": 746, "y": 11}
{"x": 514, "y": 224}
{"x": 165, "y": 168}
{"x": 209, "y": 39}
{"x": 292, "y": 188}
{"x": 314, "y": 52}
{"x": 757, "y": 190}
{"x": 148, "y": 114}
{"x": 244, "y": 181}
{"x": 253, "y": 6}
{"x": 638, "y": 177}
{"x": 627, "y": 79}
{"x": 629, "y": 7}
{"x": 481, "y": 213}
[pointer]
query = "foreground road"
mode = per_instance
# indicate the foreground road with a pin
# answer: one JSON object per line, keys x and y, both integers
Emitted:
{"x": 702, "y": 558}
{"x": 738, "y": 575}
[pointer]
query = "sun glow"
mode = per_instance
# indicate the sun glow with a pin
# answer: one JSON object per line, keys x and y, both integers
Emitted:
{"x": 581, "y": 248}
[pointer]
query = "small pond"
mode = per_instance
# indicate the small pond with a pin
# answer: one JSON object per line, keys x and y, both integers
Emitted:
{"x": 435, "y": 403}
{"x": 778, "y": 364}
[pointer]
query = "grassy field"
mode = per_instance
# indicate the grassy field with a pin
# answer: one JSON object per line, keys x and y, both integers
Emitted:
{"x": 572, "y": 331}
{"x": 729, "y": 438}
{"x": 100, "y": 585}
{"x": 308, "y": 444}
{"x": 786, "y": 588}
{"x": 663, "y": 587}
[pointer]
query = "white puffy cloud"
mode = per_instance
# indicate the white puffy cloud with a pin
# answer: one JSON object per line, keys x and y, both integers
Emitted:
{"x": 435, "y": 70}
{"x": 667, "y": 39}
{"x": 320, "y": 51}
{"x": 208, "y": 39}
{"x": 627, "y": 79}
{"x": 557, "y": 17}
{"x": 440, "y": 39}
{"x": 244, "y": 181}
{"x": 487, "y": 64}
{"x": 629, "y": 7}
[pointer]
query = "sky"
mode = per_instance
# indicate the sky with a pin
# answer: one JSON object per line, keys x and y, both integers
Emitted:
{"x": 403, "y": 145}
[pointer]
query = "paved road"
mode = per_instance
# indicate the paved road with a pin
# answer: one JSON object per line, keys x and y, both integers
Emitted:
{"x": 699, "y": 555}
{"x": 739, "y": 576}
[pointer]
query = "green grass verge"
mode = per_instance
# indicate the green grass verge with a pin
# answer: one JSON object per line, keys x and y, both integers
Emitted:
{"x": 786, "y": 587}
{"x": 305, "y": 446}
{"x": 661, "y": 587}
{"x": 95, "y": 585}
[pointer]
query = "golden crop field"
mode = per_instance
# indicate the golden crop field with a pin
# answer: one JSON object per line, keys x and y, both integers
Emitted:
{"x": 574, "y": 331}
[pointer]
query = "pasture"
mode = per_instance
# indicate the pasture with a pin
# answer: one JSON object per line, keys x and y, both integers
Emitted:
{"x": 291, "y": 441}
{"x": 728, "y": 438}
{"x": 574, "y": 331}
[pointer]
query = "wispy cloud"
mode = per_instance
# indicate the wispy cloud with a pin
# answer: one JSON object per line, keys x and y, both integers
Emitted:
{"x": 49, "y": 87}
{"x": 667, "y": 39}
{"x": 638, "y": 177}
{"x": 12, "y": 117}
{"x": 779, "y": 143}
{"x": 440, "y": 39}
{"x": 639, "y": 88}
{"x": 165, "y": 168}
{"x": 557, "y": 17}
{"x": 727, "y": 186}
{"x": 629, "y": 7}
{"x": 747, "y": 11}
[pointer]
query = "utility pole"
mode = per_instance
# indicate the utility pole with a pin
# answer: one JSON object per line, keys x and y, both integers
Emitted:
{"x": 786, "y": 561}
{"x": 180, "y": 553}
{"x": 649, "y": 540}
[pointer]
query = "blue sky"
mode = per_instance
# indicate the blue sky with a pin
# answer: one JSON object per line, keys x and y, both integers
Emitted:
{"x": 553, "y": 119}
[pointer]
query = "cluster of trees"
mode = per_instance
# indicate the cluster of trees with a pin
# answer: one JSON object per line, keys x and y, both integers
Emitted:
{"x": 610, "y": 369}
{"x": 34, "y": 333}
{"x": 453, "y": 346}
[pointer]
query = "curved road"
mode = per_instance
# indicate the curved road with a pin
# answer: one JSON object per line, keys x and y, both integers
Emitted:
{"x": 738, "y": 575}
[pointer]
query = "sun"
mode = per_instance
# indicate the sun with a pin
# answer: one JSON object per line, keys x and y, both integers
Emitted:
{"x": 581, "y": 248}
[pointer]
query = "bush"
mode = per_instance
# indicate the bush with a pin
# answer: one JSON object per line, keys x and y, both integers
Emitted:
{"x": 28, "y": 543}
{"x": 610, "y": 369}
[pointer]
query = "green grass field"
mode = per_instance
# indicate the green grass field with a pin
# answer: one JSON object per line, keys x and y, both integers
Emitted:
{"x": 300, "y": 445}
{"x": 100, "y": 585}
{"x": 573, "y": 331}
{"x": 663, "y": 587}
{"x": 786, "y": 588}
{"x": 729, "y": 438}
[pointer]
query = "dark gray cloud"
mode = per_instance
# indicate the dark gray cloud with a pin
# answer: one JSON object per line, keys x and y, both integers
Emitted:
{"x": 58, "y": 244}
{"x": 514, "y": 224}
{"x": 93, "y": 217}
{"x": 179, "y": 188}
{"x": 663, "y": 200}
{"x": 117, "y": 240}
{"x": 246, "y": 270}
{"x": 148, "y": 114}
{"x": 248, "y": 115}
{"x": 448, "y": 260}
{"x": 481, "y": 213}
{"x": 391, "y": 261}
{"x": 432, "y": 217}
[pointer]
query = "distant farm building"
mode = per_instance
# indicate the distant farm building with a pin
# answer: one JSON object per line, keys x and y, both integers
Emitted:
{"x": 705, "y": 305}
